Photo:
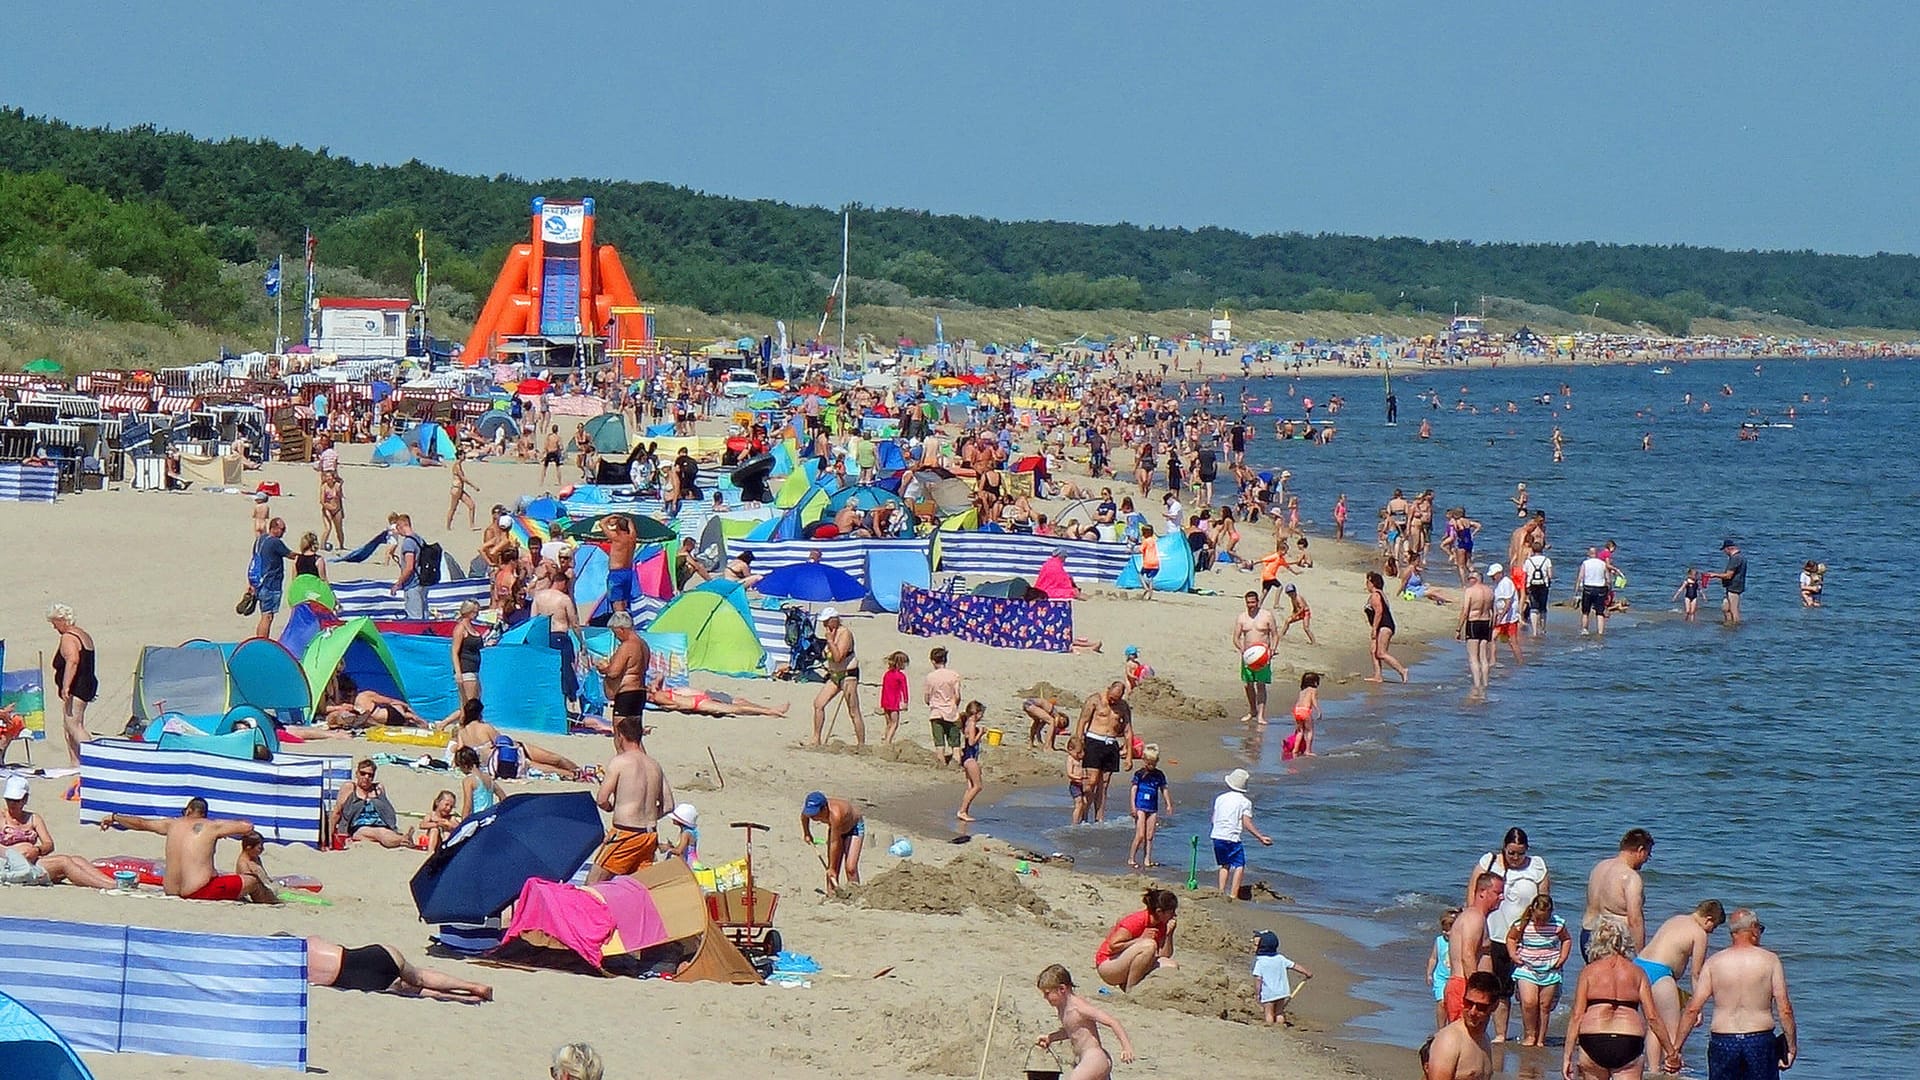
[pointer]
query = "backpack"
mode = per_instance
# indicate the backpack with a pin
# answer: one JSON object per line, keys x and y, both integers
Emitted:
{"x": 1537, "y": 571}
{"x": 427, "y": 568}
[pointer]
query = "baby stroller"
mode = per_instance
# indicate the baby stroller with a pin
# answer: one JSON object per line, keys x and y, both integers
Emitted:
{"x": 808, "y": 648}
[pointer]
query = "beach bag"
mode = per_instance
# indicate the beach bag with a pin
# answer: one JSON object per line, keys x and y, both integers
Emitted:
{"x": 506, "y": 758}
{"x": 427, "y": 567}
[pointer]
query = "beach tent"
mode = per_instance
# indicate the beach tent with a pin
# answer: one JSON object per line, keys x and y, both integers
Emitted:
{"x": 519, "y": 679}
{"x": 190, "y": 678}
{"x": 609, "y": 434}
{"x": 1176, "y": 566}
{"x": 720, "y": 635}
{"x": 719, "y": 529}
{"x": 356, "y": 649}
{"x": 220, "y": 470}
{"x": 263, "y": 675}
{"x": 394, "y": 450}
{"x": 239, "y": 745}
{"x": 492, "y": 421}
{"x": 29, "y": 1048}
{"x": 431, "y": 440}
{"x": 309, "y": 587}
{"x": 888, "y": 568}
{"x": 683, "y": 912}
{"x": 305, "y": 620}
{"x": 589, "y": 580}
{"x": 544, "y": 508}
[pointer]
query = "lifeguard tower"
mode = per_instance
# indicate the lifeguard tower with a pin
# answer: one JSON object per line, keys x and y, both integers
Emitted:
{"x": 561, "y": 302}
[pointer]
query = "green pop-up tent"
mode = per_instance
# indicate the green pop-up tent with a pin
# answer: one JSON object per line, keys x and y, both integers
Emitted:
{"x": 720, "y": 636}
{"x": 353, "y": 648}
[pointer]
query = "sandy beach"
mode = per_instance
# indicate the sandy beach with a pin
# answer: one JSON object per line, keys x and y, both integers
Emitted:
{"x": 910, "y": 963}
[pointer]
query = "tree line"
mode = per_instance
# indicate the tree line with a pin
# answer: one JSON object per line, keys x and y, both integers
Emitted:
{"x": 251, "y": 198}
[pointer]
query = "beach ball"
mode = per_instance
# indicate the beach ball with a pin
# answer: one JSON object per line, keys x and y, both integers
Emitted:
{"x": 1256, "y": 657}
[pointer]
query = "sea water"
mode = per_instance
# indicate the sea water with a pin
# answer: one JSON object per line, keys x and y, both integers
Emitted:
{"x": 1773, "y": 763}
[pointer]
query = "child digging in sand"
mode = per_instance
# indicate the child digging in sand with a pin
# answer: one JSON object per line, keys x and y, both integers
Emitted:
{"x": 1275, "y": 973}
{"x": 1150, "y": 800}
{"x": 1080, "y": 1024}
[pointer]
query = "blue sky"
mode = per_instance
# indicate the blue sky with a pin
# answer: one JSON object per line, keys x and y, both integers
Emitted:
{"x": 1758, "y": 124}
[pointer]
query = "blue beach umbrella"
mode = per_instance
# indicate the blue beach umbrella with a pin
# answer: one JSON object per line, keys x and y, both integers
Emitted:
{"x": 483, "y": 865}
{"x": 813, "y": 582}
{"x": 864, "y": 497}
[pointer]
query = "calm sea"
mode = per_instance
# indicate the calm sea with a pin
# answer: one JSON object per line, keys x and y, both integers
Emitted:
{"x": 1774, "y": 763}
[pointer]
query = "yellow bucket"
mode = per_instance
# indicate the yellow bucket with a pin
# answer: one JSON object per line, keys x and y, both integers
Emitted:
{"x": 994, "y": 735}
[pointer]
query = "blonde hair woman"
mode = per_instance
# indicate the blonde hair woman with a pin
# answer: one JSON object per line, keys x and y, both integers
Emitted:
{"x": 576, "y": 1061}
{"x": 73, "y": 676}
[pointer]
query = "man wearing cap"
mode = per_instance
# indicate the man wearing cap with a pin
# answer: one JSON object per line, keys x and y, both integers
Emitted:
{"x": 843, "y": 677}
{"x": 1747, "y": 986}
{"x": 623, "y": 674}
{"x": 846, "y": 835}
{"x": 1232, "y": 818}
{"x": 26, "y": 847}
{"x": 637, "y": 795}
{"x": 1734, "y": 580}
{"x": 1476, "y": 628}
{"x": 1506, "y": 609}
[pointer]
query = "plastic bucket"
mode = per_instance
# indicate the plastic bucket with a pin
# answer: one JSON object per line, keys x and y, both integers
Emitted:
{"x": 994, "y": 735}
{"x": 126, "y": 880}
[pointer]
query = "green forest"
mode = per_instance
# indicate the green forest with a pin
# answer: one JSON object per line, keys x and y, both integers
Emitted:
{"x": 136, "y": 224}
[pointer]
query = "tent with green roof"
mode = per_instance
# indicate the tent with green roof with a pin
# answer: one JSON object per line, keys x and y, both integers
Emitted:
{"x": 309, "y": 587}
{"x": 720, "y": 637}
{"x": 354, "y": 649}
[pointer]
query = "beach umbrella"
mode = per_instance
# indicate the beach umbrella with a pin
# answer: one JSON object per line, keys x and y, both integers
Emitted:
{"x": 481, "y": 868}
{"x": 812, "y": 581}
{"x": 864, "y": 497}
{"x": 646, "y": 530}
{"x": 762, "y": 398}
{"x": 42, "y": 366}
{"x": 531, "y": 386}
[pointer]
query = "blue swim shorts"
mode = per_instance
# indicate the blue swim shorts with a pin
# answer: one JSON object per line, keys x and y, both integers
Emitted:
{"x": 1230, "y": 854}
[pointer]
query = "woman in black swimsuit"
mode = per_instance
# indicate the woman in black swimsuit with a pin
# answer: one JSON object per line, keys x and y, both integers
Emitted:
{"x": 466, "y": 643}
{"x": 1613, "y": 1012}
{"x": 1380, "y": 620}
{"x": 380, "y": 969}
{"x": 308, "y": 561}
{"x": 73, "y": 676}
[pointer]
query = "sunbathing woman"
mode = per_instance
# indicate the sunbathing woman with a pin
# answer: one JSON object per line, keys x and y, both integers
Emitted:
{"x": 707, "y": 702}
{"x": 380, "y": 969}
{"x": 501, "y": 753}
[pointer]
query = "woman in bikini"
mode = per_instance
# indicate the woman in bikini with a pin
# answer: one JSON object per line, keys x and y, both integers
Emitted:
{"x": 1613, "y": 1011}
{"x": 333, "y": 510}
{"x": 462, "y": 492}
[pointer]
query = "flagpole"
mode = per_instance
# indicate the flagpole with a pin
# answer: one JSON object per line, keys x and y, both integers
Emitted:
{"x": 306, "y": 313}
{"x": 279, "y": 309}
{"x": 846, "y": 229}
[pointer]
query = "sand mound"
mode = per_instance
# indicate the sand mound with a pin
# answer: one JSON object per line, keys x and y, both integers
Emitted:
{"x": 902, "y": 752}
{"x": 969, "y": 881}
{"x": 1045, "y": 689}
{"x": 1200, "y": 990}
{"x": 1160, "y": 698}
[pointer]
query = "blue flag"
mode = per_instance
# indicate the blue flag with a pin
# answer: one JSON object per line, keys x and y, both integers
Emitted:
{"x": 273, "y": 277}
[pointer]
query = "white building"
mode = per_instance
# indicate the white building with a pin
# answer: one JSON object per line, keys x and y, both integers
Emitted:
{"x": 352, "y": 326}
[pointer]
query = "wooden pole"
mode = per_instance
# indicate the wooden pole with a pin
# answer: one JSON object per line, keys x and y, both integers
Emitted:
{"x": 991, "y": 1017}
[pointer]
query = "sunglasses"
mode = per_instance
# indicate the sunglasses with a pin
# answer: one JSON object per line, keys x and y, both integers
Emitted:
{"x": 1477, "y": 1006}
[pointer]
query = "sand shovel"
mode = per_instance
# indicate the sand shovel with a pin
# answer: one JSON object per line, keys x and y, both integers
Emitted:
{"x": 1193, "y": 867}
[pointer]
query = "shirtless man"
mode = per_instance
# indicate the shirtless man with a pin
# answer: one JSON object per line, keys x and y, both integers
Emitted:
{"x": 1681, "y": 942}
{"x": 1476, "y": 628}
{"x": 1747, "y": 985}
{"x": 1460, "y": 1051}
{"x": 1520, "y": 543}
{"x": 621, "y": 539}
{"x": 191, "y": 838}
{"x": 1615, "y": 891}
{"x": 623, "y": 674}
{"x": 1468, "y": 944}
{"x": 563, "y": 628}
{"x": 846, "y": 835}
{"x": 1255, "y": 626}
{"x": 636, "y": 793}
{"x": 550, "y": 455}
{"x": 1105, "y": 727}
{"x": 262, "y": 514}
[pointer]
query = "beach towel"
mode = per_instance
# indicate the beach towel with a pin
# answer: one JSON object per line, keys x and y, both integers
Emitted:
{"x": 1053, "y": 579}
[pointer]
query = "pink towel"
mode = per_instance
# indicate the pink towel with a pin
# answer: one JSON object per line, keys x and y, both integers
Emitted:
{"x": 583, "y": 919}
{"x": 1054, "y": 580}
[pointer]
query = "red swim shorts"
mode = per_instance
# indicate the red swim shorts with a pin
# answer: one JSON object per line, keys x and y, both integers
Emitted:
{"x": 1456, "y": 999}
{"x": 222, "y": 887}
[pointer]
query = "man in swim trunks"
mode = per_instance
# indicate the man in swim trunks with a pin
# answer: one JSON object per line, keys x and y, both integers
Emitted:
{"x": 621, "y": 540}
{"x": 1681, "y": 942}
{"x": 1460, "y": 1051}
{"x": 1747, "y": 985}
{"x": 191, "y": 838}
{"x": 1468, "y": 945}
{"x": 1594, "y": 575}
{"x": 1476, "y": 628}
{"x": 1616, "y": 893}
{"x": 1734, "y": 580}
{"x": 1105, "y": 724}
{"x": 636, "y": 793}
{"x": 623, "y": 673}
{"x": 846, "y": 835}
{"x": 1507, "y": 609}
{"x": 380, "y": 969}
{"x": 1255, "y": 626}
{"x": 550, "y": 455}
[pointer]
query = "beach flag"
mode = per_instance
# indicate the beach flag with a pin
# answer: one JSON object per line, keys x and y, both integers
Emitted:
{"x": 420, "y": 275}
{"x": 273, "y": 278}
{"x": 24, "y": 693}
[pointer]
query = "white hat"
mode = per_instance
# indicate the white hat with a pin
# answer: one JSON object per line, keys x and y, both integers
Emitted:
{"x": 829, "y": 614}
{"x": 16, "y": 788}
{"x": 1494, "y": 570}
{"x": 1237, "y": 780}
{"x": 685, "y": 815}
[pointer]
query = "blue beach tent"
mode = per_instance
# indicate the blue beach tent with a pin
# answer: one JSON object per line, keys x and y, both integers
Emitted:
{"x": 28, "y": 1047}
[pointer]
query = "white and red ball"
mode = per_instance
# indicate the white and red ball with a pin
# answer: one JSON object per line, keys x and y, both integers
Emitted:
{"x": 1256, "y": 657}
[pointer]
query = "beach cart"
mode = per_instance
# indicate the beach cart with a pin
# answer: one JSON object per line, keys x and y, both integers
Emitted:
{"x": 745, "y": 914}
